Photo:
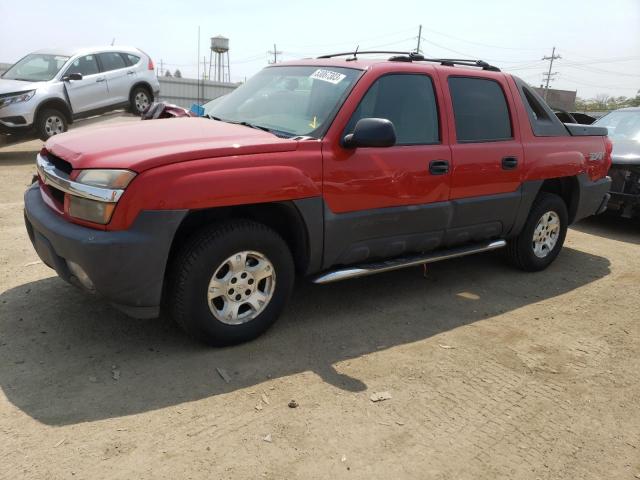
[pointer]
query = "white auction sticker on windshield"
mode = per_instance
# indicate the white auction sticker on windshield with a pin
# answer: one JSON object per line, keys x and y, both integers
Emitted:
{"x": 327, "y": 76}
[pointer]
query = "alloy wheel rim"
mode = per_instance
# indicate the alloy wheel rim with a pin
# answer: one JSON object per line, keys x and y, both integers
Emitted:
{"x": 546, "y": 234}
{"x": 141, "y": 101}
{"x": 53, "y": 125}
{"x": 241, "y": 287}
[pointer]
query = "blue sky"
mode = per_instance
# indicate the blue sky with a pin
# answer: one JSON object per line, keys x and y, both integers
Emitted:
{"x": 599, "y": 41}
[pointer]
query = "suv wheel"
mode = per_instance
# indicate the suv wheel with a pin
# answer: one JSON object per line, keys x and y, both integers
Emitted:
{"x": 230, "y": 282}
{"x": 140, "y": 100}
{"x": 50, "y": 122}
{"x": 543, "y": 234}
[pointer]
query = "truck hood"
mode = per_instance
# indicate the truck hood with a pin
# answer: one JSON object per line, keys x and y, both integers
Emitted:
{"x": 626, "y": 152}
{"x": 142, "y": 145}
{"x": 14, "y": 86}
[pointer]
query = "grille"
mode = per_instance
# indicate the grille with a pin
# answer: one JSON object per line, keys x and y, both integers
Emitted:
{"x": 57, "y": 195}
{"x": 60, "y": 164}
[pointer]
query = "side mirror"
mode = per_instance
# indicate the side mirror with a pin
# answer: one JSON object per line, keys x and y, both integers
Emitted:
{"x": 72, "y": 76}
{"x": 371, "y": 132}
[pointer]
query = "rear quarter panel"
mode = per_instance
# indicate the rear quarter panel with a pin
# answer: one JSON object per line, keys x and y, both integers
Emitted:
{"x": 554, "y": 157}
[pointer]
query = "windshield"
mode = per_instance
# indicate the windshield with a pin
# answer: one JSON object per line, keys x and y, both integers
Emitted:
{"x": 622, "y": 125}
{"x": 36, "y": 67}
{"x": 289, "y": 100}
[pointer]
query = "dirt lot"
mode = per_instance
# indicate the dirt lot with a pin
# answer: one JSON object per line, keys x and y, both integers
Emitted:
{"x": 493, "y": 373}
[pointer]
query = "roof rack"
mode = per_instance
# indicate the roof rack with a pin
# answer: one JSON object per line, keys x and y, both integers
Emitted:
{"x": 416, "y": 57}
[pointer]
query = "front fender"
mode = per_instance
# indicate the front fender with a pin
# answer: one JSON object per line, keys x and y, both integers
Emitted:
{"x": 171, "y": 187}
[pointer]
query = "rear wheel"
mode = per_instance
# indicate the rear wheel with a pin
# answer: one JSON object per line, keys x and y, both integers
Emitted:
{"x": 50, "y": 122}
{"x": 231, "y": 282}
{"x": 140, "y": 100}
{"x": 543, "y": 235}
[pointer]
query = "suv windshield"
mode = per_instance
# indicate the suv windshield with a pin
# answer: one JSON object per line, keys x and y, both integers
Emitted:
{"x": 622, "y": 125}
{"x": 288, "y": 100}
{"x": 36, "y": 67}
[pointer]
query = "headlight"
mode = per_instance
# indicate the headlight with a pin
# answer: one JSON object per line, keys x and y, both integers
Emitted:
{"x": 97, "y": 211}
{"x": 106, "y": 178}
{"x": 16, "y": 98}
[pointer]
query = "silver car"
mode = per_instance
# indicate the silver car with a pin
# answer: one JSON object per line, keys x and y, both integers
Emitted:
{"x": 49, "y": 89}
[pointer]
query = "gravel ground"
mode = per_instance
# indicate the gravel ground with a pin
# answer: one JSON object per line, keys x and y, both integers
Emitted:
{"x": 492, "y": 373}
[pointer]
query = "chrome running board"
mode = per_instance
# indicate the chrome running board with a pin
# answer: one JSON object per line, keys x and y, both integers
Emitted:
{"x": 412, "y": 261}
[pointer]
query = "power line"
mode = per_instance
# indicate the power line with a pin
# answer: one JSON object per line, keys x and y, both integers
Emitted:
{"x": 482, "y": 44}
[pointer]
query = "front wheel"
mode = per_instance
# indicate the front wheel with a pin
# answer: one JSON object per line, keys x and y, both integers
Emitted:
{"x": 542, "y": 237}
{"x": 230, "y": 282}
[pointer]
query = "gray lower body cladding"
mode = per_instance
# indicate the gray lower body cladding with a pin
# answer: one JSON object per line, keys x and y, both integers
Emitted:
{"x": 126, "y": 267}
{"x": 366, "y": 235}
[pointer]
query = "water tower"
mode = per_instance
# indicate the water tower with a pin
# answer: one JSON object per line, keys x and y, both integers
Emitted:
{"x": 221, "y": 69}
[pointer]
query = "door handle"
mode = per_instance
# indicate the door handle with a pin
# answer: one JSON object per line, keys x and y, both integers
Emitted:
{"x": 509, "y": 163}
{"x": 438, "y": 167}
{"x": 101, "y": 79}
{"x": 131, "y": 73}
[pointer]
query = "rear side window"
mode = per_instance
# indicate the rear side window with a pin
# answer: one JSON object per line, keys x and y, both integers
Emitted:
{"x": 480, "y": 110}
{"x": 544, "y": 123}
{"x": 133, "y": 59}
{"x": 408, "y": 101}
{"x": 111, "y": 61}
{"x": 86, "y": 65}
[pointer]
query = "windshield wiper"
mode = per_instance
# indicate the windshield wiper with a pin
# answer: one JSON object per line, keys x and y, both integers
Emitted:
{"x": 253, "y": 125}
{"x": 235, "y": 122}
{"x": 277, "y": 133}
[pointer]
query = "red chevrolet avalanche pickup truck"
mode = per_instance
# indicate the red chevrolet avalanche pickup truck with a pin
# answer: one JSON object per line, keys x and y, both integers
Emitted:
{"x": 328, "y": 168}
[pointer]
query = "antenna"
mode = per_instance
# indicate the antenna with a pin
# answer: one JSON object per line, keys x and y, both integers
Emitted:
{"x": 113, "y": 40}
{"x": 355, "y": 55}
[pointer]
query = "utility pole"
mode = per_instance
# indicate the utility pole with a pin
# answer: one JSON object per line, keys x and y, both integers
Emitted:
{"x": 548, "y": 75}
{"x": 419, "y": 38}
{"x": 275, "y": 52}
{"x": 161, "y": 67}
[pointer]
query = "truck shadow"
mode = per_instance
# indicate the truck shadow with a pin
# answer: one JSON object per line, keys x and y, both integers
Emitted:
{"x": 609, "y": 226}
{"x": 59, "y": 347}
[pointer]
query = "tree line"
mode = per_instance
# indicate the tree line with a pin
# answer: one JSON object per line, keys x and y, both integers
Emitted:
{"x": 603, "y": 101}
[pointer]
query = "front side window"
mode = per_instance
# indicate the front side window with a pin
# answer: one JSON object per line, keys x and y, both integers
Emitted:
{"x": 290, "y": 100}
{"x": 480, "y": 110}
{"x": 408, "y": 101}
{"x": 86, "y": 65}
{"x": 36, "y": 67}
{"x": 111, "y": 61}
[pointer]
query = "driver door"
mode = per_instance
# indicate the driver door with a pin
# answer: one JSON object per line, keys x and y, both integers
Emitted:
{"x": 387, "y": 202}
{"x": 91, "y": 92}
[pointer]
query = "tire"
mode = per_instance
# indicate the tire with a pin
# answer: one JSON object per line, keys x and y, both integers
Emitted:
{"x": 140, "y": 100}
{"x": 530, "y": 255}
{"x": 50, "y": 122}
{"x": 207, "y": 259}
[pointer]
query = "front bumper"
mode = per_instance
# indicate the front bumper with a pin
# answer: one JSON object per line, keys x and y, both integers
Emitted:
{"x": 17, "y": 115}
{"x": 625, "y": 190}
{"x": 126, "y": 267}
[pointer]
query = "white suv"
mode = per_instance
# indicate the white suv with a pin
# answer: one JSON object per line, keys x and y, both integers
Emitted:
{"x": 48, "y": 89}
